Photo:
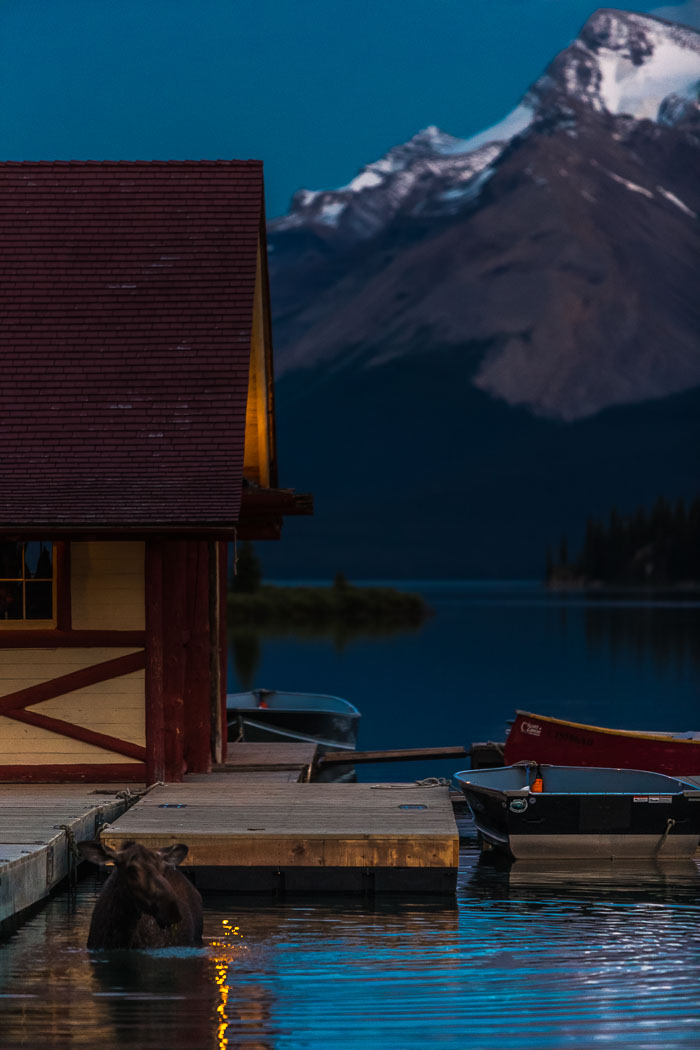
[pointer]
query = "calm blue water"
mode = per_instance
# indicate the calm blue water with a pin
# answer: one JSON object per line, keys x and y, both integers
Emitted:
{"x": 623, "y": 661}
{"x": 521, "y": 960}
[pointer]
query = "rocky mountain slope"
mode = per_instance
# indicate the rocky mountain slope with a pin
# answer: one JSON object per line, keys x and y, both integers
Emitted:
{"x": 559, "y": 249}
{"x": 481, "y": 342}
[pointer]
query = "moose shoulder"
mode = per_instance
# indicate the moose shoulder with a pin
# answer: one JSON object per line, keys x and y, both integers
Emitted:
{"x": 146, "y": 902}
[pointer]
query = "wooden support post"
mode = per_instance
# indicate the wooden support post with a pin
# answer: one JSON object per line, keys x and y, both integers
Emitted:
{"x": 223, "y": 641}
{"x": 174, "y": 656}
{"x": 155, "y": 760}
{"x": 197, "y": 680}
{"x": 215, "y": 729}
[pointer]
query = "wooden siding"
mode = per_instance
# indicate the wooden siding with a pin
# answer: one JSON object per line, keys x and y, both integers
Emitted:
{"x": 114, "y": 707}
{"x": 107, "y": 585}
{"x": 24, "y": 745}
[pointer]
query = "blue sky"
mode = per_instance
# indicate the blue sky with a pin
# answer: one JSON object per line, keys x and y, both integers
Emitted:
{"x": 314, "y": 89}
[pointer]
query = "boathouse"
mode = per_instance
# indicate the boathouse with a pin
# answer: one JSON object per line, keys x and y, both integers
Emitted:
{"x": 137, "y": 443}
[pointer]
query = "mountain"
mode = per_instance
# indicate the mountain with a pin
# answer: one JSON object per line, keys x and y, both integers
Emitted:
{"x": 498, "y": 316}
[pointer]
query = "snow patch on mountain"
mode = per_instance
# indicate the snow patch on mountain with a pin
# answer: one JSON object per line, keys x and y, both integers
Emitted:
{"x": 677, "y": 201}
{"x": 624, "y": 63}
{"x": 399, "y": 180}
{"x": 517, "y": 121}
{"x": 640, "y": 90}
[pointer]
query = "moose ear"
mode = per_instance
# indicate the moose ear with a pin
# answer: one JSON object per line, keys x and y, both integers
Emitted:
{"x": 97, "y": 853}
{"x": 174, "y": 855}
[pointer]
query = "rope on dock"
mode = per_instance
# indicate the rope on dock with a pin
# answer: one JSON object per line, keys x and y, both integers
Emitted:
{"x": 132, "y": 797}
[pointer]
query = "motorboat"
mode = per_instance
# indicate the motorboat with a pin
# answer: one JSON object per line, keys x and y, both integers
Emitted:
{"x": 535, "y": 811}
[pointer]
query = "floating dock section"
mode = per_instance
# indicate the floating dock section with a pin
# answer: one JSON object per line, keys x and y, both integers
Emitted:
{"x": 38, "y": 824}
{"x": 254, "y": 827}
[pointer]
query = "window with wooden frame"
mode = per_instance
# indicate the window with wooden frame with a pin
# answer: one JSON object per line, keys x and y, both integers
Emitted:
{"x": 27, "y": 584}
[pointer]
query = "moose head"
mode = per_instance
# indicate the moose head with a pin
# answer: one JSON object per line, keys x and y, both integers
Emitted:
{"x": 143, "y": 895}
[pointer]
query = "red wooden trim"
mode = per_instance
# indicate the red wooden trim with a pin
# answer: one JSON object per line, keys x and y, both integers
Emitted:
{"x": 109, "y": 773}
{"x": 57, "y": 639}
{"x": 154, "y": 662}
{"x": 75, "y": 732}
{"x": 198, "y": 684}
{"x": 223, "y": 642}
{"x": 63, "y": 604}
{"x": 273, "y": 503}
{"x": 175, "y": 654}
{"x": 66, "y": 683}
{"x": 191, "y": 530}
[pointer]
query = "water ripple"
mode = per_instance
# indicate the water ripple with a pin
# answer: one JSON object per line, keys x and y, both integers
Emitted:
{"x": 522, "y": 960}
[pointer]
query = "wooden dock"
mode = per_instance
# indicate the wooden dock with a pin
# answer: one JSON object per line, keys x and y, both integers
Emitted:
{"x": 254, "y": 827}
{"x": 35, "y": 851}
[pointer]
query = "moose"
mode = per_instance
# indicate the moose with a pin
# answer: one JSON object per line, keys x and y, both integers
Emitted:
{"x": 146, "y": 902}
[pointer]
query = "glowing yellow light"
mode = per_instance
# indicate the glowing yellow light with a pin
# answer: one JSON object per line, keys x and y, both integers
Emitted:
{"x": 221, "y": 970}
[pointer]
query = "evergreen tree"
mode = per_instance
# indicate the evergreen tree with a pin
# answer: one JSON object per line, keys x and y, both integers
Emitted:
{"x": 247, "y": 577}
{"x": 563, "y": 552}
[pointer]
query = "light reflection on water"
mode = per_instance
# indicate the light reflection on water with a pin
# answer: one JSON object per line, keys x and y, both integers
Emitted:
{"x": 522, "y": 959}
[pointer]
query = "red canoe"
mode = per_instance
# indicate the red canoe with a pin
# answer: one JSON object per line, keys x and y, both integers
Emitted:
{"x": 553, "y": 740}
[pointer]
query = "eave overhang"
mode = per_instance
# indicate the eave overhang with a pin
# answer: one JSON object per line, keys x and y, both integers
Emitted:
{"x": 260, "y": 518}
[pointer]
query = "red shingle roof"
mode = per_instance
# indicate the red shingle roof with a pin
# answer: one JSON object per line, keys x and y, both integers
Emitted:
{"x": 126, "y": 304}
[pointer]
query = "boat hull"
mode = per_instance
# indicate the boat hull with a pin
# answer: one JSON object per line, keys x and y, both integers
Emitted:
{"x": 604, "y": 847}
{"x": 660, "y": 820}
{"x": 271, "y": 715}
{"x": 330, "y": 730}
{"x": 539, "y": 738}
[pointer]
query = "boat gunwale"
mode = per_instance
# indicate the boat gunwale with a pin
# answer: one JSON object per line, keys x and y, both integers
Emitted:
{"x": 639, "y": 734}
{"x": 348, "y": 707}
{"x": 689, "y": 791}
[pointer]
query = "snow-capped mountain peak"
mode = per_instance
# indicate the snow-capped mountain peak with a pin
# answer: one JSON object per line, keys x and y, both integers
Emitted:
{"x": 624, "y": 63}
{"x": 555, "y": 253}
{"x": 398, "y": 180}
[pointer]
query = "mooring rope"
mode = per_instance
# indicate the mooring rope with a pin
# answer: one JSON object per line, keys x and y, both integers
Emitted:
{"x": 669, "y": 824}
{"x": 132, "y": 797}
{"x": 74, "y": 856}
{"x": 429, "y": 782}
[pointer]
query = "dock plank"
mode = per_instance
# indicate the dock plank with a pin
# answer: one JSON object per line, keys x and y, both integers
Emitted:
{"x": 266, "y": 755}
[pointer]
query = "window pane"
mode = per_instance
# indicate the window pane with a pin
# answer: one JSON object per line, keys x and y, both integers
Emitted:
{"x": 11, "y": 600}
{"x": 38, "y": 560}
{"x": 10, "y": 561}
{"x": 39, "y": 601}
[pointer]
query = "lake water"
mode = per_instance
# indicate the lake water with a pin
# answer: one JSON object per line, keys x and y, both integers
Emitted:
{"x": 520, "y": 960}
{"x": 624, "y": 661}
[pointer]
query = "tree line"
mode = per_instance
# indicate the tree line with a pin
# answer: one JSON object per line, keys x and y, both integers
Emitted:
{"x": 653, "y": 546}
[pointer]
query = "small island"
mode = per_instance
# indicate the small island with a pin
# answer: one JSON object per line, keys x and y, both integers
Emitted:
{"x": 340, "y": 607}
